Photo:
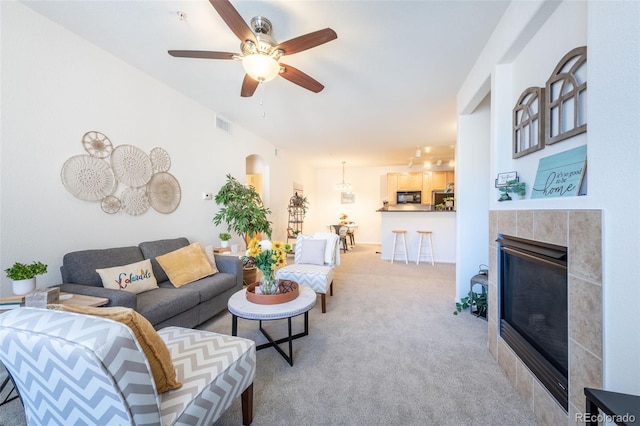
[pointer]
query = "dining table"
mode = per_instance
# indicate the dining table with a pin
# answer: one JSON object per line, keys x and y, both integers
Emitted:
{"x": 351, "y": 226}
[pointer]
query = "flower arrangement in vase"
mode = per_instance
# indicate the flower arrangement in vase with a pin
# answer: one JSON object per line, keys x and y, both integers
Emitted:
{"x": 268, "y": 257}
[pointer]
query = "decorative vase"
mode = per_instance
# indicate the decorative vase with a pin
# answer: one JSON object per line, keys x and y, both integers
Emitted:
{"x": 21, "y": 287}
{"x": 224, "y": 244}
{"x": 268, "y": 283}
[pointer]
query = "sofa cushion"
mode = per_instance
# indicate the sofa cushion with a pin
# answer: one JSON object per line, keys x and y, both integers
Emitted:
{"x": 166, "y": 302}
{"x": 211, "y": 286}
{"x": 156, "y": 351}
{"x": 134, "y": 277}
{"x": 152, "y": 249}
{"x": 80, "y": 267}
{"x": 186, "y": 265}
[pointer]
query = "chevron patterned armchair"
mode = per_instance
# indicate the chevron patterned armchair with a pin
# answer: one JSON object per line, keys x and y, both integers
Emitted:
{"x": 80, "y": 369}
{"x": 315, "y": 258}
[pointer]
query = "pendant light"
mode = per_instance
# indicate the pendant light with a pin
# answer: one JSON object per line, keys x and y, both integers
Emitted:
{"x": 343, "y": 187}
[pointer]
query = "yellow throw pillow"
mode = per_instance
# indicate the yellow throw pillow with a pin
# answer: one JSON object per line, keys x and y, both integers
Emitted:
{"x": 134, "y": 277}
{"x": 154, "y": 348}
{"x": 186, "y": 265}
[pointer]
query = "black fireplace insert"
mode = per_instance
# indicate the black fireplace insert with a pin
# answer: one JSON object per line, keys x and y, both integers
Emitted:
{"x": 533, "y": 308}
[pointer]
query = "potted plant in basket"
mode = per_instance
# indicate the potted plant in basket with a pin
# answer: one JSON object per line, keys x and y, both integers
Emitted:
{"x": 24, "y": 276}
{"x": 243, "y": 212}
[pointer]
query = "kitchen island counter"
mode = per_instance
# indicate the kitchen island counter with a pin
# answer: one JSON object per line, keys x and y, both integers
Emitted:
{"x": 441, "y": 223}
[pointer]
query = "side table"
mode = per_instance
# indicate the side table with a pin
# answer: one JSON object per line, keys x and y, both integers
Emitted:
{"x": 620, "y": 408}
{"x": 65, "y": 299}
{"x": 239, "y": 306}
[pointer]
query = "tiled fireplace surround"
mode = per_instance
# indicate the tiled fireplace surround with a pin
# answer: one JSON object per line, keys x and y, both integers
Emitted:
{"x": 581, "y": 232}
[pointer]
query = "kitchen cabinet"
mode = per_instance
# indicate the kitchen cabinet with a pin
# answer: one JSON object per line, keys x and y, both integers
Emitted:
{"x": 426, "y": 182}
{"x": 440, "y": 180}
{"x": 426, "y": 188}
{"x": 410, "y": 181}
{"x": 392, "y": 188}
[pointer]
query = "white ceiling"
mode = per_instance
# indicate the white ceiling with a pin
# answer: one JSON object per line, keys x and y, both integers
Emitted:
{"x": 390, "y": 78}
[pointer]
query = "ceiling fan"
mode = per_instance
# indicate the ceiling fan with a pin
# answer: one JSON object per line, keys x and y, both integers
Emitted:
{"x": 260, "y": 52}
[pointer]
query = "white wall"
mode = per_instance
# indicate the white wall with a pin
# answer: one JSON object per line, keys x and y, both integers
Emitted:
{"x": 473, "y": 163}
{"x": 614, "y": 109}
{"x": 55, "y": 87}
{"x": 564, "y": 30}
{"x": 517, "y": 59}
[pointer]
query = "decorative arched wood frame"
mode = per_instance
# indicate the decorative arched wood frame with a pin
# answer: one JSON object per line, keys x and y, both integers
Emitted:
{"x": 566, "y": 97}
{"x": 528, "y": 119}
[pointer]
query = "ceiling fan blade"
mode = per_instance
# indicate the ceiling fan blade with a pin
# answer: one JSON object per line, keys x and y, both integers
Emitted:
{"x": 249, "y": 86}
{"x": 234, "y": 21}
{"x": 296, "y": 76}
{"x": 202, "y": 54}
{"x": 307, "y": 41}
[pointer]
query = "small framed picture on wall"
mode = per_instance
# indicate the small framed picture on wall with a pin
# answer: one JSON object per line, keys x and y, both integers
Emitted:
{"x": 347, "y": 197}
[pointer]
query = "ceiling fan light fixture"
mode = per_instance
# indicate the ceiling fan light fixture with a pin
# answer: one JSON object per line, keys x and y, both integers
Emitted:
{"x": 261, "y": 67}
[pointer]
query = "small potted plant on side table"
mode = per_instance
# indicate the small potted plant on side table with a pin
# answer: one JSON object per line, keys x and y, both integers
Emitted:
{"x": 224, "y": 239}
{"x": 24, "y": 276}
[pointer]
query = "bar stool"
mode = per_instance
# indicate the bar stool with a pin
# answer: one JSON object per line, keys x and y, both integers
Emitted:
{"x": 402, "y": 249}
{"x": 423, "y": 243}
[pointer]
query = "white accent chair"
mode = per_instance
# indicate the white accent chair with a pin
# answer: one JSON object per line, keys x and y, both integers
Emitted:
{"x": 311, "y": 267}
{"x": 81, "y": 369}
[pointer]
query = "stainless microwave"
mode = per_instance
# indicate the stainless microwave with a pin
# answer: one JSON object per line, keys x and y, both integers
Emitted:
{"x": 408, "y": 197}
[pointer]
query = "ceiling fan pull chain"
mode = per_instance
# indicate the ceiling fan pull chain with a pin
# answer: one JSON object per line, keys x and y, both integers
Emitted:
{"x": 261, "y": 90}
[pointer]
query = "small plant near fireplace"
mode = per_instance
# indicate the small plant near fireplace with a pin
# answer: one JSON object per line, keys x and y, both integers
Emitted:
{"x": 476, "y": 302}
{"x": 512, "y": 187}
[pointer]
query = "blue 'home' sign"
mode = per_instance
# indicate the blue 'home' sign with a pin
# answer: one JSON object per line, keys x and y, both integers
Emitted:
{"x": 560, "y": 175}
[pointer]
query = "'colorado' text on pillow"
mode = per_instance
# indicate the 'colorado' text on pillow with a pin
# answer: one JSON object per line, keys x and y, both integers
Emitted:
{"x": 134, "y": 277}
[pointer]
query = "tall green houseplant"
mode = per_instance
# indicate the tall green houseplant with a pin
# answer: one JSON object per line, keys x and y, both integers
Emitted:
{"x": 242, "y": 209}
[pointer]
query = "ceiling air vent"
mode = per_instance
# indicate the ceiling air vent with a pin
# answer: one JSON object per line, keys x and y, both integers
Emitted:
{"x": 223, "y": 125}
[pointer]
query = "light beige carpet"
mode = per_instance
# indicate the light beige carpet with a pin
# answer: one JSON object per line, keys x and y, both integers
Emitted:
{"x": 387, "y": 352}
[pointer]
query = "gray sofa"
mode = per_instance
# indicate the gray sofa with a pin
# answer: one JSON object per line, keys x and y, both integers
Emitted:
{"x": 186, "y": 306}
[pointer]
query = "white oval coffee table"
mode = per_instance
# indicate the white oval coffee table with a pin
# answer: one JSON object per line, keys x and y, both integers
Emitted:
{"x": 239, "y": 306}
